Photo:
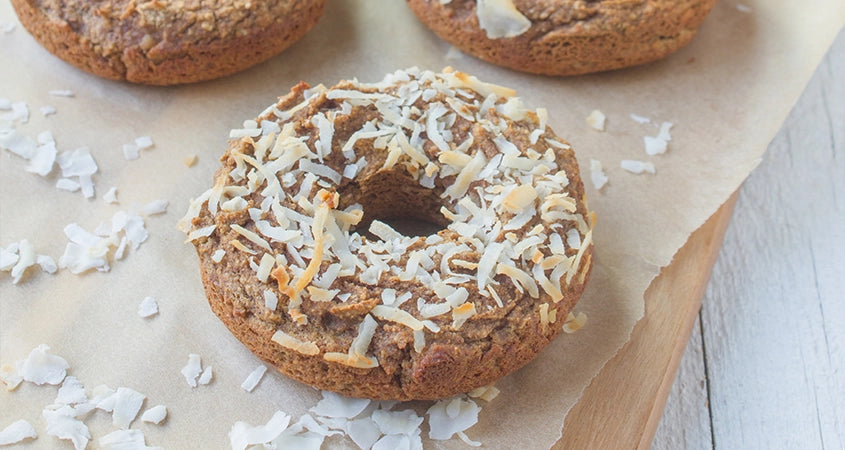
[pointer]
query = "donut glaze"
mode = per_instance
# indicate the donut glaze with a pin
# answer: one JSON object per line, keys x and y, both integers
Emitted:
{"x": 299, "y": 262}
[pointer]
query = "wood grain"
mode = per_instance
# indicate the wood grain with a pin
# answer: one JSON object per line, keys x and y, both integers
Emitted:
{"x": 772, "y": 342}
{"x": 623, "y": 404}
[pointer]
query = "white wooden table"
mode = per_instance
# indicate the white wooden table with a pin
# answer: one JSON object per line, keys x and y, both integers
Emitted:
{"x": 765, "y": 365}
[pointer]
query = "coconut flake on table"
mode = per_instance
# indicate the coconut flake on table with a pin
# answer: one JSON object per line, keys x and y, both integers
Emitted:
{"x": 639, "y": 119}
{"x": 336, "y": 405}
{"x": 243, "y": 435}
{"x": 47, "y": 110}
{"x": 636, "y": 166}
{"x": 17, "y": 111}
{"x": 127, "y": 404}
{"x": 125, "y": 440}
{"x": 155, "y": 207}
{"x": 190, "y": 160}
{"x": 7, "y": 26}
{"x": 596, "y": 120}
{"x": 110, "y": 196}
{"x": 254, "y": 378}
{"x": 10, "y": 377}
{"x": 206, "y": 376}
{"x": 148, "y": 307}
{"x": 451, "y": 416}
{"x": 597, "y": 175}
{"x": 16, "y": 432}
{"x": 71, "y": 392}
{"x": 62, "y": 424}
{"x": 192, "y": 369}
{"x": 17, "y": 143}
{"x": 155, "y": 415}
{"x": 41, "y": 367}
{"x": 131, "y": 152}
{"x": 61, "y": 93}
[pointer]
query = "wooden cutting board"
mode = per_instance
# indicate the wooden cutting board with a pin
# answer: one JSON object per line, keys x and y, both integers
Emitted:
{"x": 623, "y": 405}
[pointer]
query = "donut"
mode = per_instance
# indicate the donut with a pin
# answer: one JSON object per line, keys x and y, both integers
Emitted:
{"x": 564, "y": 37}
{"x": 300, "y": 261}
{"x": 162, "y": 42}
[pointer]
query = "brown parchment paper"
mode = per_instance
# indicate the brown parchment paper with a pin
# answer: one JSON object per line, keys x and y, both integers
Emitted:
{"x": 727, "y": 94}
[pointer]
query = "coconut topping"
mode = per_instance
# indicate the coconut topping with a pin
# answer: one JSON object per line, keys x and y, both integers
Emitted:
{"x": 504, "y": 194}
{"x": 500, "y": 18}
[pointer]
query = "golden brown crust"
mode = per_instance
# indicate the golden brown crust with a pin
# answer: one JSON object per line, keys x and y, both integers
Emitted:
{"x": 568, "y": 37}
{"x": 490, "y": 332}
{"x": 163, "y": 43}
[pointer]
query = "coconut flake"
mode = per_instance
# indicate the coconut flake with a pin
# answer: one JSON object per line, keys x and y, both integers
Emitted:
{"x": 125, "y": 440}
{"x": 192, "y": 369}
{"x": 243, "y": 435}
{"x": 254, "y": 378}
{"x": 16, "y": 432}
{"x": 636, "y": 166}
{"x": 452, "y": 415}
{"x": 61, "y": 93}
{"x": 155, "y": 207}
{"x": 127, "y": 403}
{"x": 43, "y": 368}
{"x": 288, "y": 341}
{"x": 596, "y": 120}
{"x": 148, "y": 307}
{"x": 62, "y": 424}
{"x": 336, "y": 405}
{"x": 501, "y": 19}
{"x": 654, "y": 145}
{"x": 155, "y": 415}
{"x": 639, "y": 119}
{"x": 597, "y": 175}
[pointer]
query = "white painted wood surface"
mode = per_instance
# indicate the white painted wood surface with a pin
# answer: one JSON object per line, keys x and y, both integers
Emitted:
{"x": 765, "y": 365}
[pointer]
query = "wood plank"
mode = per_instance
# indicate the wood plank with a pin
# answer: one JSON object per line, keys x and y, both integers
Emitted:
{"x": 773, "y": 324}
{"x": 623, "y": 405}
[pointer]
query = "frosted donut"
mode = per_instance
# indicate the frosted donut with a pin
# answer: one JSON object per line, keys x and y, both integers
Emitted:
{"x": 299, "y": 262}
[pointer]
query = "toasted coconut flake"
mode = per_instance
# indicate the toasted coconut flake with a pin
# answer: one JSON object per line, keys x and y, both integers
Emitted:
{"x": 574, "y": 322}
{"x": 519, "y": 198}
{"x": 190, "y": 160}
{"x": 486, "y": 393}
{"x": 520, "y": 279}
{"x": 596, "y": 120}
{"x": 251, "y": 236}
{"x": 290, "y": 342}
{"x": 461, "y": 313}
{"x": 397, "y": 315}
{"x": 543, "y": 310}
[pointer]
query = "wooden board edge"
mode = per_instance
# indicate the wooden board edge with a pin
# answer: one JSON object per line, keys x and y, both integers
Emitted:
{"x": 622, "y": 406}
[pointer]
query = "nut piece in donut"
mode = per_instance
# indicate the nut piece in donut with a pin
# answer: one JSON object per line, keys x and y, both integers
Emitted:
{"x": 164, "y": 42}
{"x": 564, "y": 37}
{"x": 298, "y": 259}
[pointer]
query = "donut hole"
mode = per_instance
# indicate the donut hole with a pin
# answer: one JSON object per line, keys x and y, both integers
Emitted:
{"x": 397, "y": 199}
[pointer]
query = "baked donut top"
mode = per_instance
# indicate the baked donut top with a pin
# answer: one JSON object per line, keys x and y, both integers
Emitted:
{"x": 162, "y": 27}
{"x": 305, "y": 190}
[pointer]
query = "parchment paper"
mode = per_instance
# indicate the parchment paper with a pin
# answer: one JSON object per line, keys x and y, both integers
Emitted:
{"x": 727, "y": 94}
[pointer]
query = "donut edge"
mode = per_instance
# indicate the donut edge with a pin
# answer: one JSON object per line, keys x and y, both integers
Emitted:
{"x": 561, "y": 52}
{"x": 182, "y": 65}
